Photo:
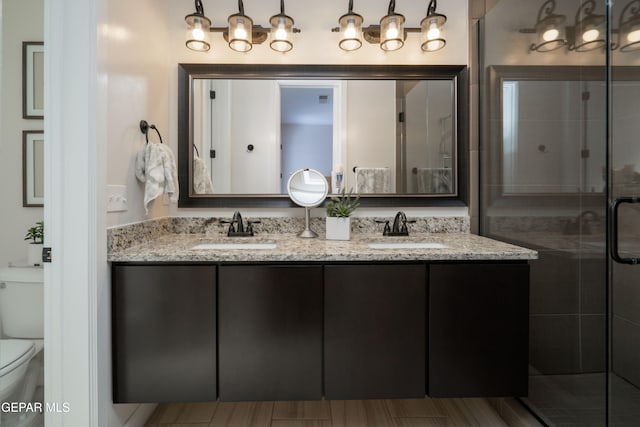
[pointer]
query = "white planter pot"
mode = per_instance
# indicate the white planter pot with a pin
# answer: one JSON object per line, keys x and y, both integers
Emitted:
{"x": 338, "y": 228}
{"x": 34, "y": 253}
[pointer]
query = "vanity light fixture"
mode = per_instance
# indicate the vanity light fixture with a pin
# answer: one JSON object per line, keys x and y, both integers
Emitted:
{"x": 241, "y": 33}
{"x": 198, "y": 29}
{"x": 589, "y": 31}
{"x": 432, "y": 29}
{"x": 550, "y": 29}
{"x": 629, "y": 28}
{"x": 391, "y": 33}
{"x": 351, "y": 30}
{"x": 281, "y": 31}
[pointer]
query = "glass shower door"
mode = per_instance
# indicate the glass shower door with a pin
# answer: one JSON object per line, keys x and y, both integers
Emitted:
{"x": 624, "y": 177}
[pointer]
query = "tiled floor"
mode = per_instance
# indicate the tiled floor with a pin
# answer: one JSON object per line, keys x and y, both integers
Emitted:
{"x": 338, "y": 413}
{"x": 579, "y": 400}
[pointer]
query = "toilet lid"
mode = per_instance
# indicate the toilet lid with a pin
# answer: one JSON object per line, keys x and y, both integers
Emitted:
{"x": 13, "y": 353}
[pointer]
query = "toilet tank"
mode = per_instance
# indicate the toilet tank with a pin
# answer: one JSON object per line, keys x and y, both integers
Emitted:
{"x": 22, "y": 302}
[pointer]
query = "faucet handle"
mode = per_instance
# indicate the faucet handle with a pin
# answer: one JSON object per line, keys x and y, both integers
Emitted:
{"x": 387, "y": 230}
{"x": 250, "y": 223}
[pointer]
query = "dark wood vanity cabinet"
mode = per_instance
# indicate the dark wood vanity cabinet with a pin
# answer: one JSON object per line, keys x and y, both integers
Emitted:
{"x": 164, "y": 333}
{"x": 270, "y": 332}
{"x": 374, "y": 331}
{"x": 478, "y": 329}
{"x": 306, "y": 331}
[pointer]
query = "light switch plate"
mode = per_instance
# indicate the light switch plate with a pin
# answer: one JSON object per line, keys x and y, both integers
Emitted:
{"x": 116, "y": 198}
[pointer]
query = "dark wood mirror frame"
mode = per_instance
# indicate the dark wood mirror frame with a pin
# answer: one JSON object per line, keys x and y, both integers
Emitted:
{"x": 187, "y": 72}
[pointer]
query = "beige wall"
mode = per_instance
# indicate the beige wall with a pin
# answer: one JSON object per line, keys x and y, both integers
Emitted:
{"x": 22, "y": 20}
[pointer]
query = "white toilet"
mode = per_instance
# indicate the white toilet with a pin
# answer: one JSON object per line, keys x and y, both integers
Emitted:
{"x": 22, "y": 327}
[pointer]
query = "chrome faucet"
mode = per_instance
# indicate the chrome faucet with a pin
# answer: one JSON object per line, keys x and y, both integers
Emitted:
{"x": 239, "y": 229}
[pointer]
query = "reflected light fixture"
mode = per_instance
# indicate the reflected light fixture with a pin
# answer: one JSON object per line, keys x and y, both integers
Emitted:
{"x": 550, "y": 29}
{"x": 629, "y": 28}
{"x": 240, "y": 31}
{"x": 198, "y": 29}
{"x": 432, "y": 29}
{"x": 589, "y": 31}
{"x": 351, "y": 30}
{"x": 281, "y": 30}
{"x": 392, "y": 33}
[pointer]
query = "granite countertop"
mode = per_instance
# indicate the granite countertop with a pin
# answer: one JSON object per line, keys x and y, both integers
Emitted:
{"x": 289, "y": 248}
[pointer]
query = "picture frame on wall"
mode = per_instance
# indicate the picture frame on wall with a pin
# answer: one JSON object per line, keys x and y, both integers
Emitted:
{"x": 32, "y": 168}
{"x": 33, "y": 80}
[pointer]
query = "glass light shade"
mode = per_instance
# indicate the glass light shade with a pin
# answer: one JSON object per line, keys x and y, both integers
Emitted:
{"x": 240, "y": 33}
{"x": 392, "y": 32}
{"x": 551, "y": 33}
{"x": 630, "y": 36}
{"x": 198, "y": 35}
{"x": 281, "y": 30}
{"x": 589, "y": 33}
{"x": 351, "y": 31}
{"x": 431, "y": 33}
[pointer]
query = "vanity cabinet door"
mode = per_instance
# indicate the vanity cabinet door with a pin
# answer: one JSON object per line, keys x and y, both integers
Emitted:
{"x": 375, "y": 331}
{"x": 478, "y": 329}
{"x": 270, "y": 332}
{"x": 164, "y": 333}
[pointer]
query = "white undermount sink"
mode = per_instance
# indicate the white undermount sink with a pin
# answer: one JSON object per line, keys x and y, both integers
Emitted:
{"x": 407, "y": 245}
{"x": 235, "y": 245}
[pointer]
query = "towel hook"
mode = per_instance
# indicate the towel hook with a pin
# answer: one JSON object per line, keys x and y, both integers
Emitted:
{"x": 144, "y": 128}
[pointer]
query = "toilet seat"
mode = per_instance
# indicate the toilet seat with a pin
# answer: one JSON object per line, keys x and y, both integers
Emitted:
{"x": 14, "y": 353}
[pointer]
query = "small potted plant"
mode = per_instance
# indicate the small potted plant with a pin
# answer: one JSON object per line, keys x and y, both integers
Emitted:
{"x": 339, "y": 210}
{"x": 36, "y": 236}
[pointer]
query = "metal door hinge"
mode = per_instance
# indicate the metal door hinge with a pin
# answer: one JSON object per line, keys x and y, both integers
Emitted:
{"x": 46, "y": 254}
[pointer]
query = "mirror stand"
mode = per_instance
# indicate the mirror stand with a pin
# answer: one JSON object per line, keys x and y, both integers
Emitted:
{"x": 307, "y": 233}
{"x": 307, "y": 188}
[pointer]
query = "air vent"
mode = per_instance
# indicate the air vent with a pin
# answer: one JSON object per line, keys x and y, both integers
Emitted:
{"x": 323, "y": 99}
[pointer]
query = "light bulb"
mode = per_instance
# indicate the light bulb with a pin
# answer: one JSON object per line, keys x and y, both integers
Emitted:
{"x": 392, "y": 32}
{"x": 197, "y": 33}
{"x": 350, "y": 31}
{"x": 590, "y": 35}
{"x": 240, "y": 32}
{"x": 550, "y": 34}
{"x": 433, "y": 33}
{"x": 281, "y": 33}
{"x": 633, "y": 36}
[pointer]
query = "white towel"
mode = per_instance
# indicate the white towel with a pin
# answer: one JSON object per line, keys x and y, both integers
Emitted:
{"x": 156, "y": 167}
{"x": 373, "y": 180}
{"x": 201, "y": 179}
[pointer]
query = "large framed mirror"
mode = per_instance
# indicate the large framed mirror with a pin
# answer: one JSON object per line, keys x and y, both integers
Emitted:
{"x": 396, "y": 135}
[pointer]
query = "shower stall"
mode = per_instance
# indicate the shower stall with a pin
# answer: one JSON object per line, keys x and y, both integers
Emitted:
{"x": 559, "y": 84}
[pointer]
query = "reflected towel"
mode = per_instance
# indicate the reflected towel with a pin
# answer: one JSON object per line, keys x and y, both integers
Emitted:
{"x": 373, "y": 180}
{"x": 433, "y": 180}
{"x": 156, "y": 167}
{"x": 201, "y": 179}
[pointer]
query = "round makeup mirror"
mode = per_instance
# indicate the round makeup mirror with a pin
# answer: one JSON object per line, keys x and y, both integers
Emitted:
{"x": 307, "y": 188}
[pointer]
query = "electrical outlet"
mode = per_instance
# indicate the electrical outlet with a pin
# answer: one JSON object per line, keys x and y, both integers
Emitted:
{"x": 116, "y": 198}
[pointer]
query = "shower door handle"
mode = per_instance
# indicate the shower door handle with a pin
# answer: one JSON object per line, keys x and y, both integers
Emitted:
{"x": 615, "y": 254}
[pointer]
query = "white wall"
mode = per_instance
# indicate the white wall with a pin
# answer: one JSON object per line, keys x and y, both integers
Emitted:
{"x": 138, "y": 68}
{"x": 22, "y": 20}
